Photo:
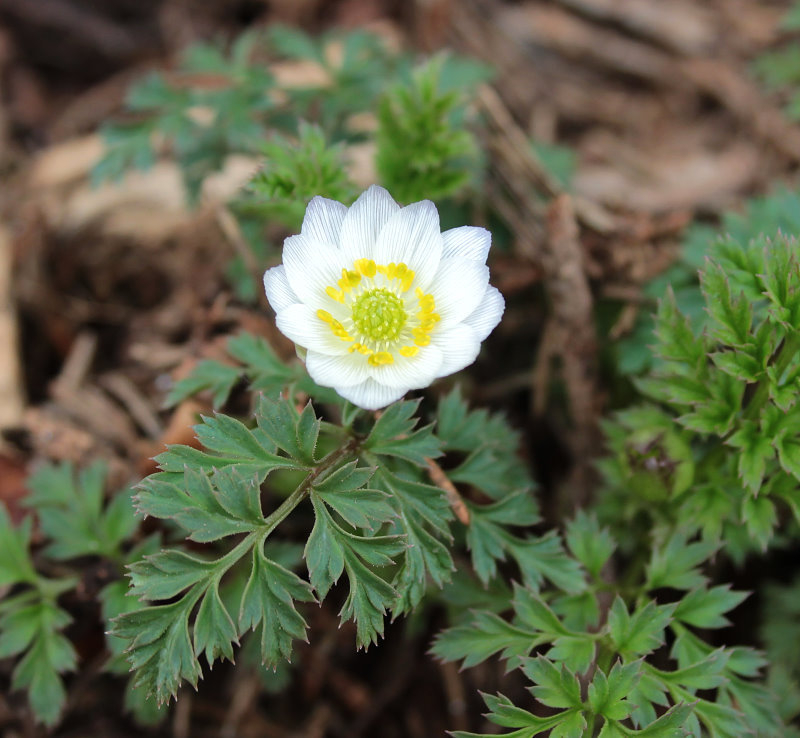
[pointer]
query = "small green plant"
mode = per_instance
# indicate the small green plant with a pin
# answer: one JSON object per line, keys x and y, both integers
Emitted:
{"x": 768, "y": 216}
{"x": 375, "y": 520}
{"x": 222, "y": 101}
{"x": 77, "y": 525}
{"x": 423, "y": 148}
{"x": 605, "y": 669}
{"x": 293, "y": 173}
{"x": 717, "y": 455}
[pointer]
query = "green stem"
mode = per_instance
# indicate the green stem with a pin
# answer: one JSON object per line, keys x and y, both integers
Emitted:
{"x": 277, "y": 516}
{"x": 325, "y": 466}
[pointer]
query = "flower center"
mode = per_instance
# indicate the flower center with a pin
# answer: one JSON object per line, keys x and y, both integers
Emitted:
{"x": 379, "y": 314}
{"x": 374, "y": 309}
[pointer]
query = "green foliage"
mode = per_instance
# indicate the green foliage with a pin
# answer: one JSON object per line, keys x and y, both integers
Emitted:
{"x": 293, "y": 173}
{"x": 423, "y": 149}
{"x": 73, "y": 516}
{"x": 767, "y": 216}
{"x": 258, "y": 364}
{"x": 212, "y": 106}
{"x": 719, "y": 453}
{"x": 380, "y": 528}
{"x": 612, "y": 645}
{"x": 630, "y": 692}
{"x": 74, "y": 521}
{"x": 780, "y": 69}
{"x": 779, "y": 632}
{"x": 560, "y": 162}
{"x": 224, "y": 100}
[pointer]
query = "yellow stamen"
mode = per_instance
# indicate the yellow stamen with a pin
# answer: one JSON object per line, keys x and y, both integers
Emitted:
{"x": 408, "y": 278}
{"x": 366, "y": 267}
{"x": 349, "y": 280}
{"x": 337, "y": 295}
{"x": 325, "y": 316}
{"x": 409, "y": 350}
{"x": 382, "y": 357}
{"x": 428, "y": 322}
{"x": 421, "y": 338}
{"x": 361, "y": 348}
{"x": 427, "y": 304}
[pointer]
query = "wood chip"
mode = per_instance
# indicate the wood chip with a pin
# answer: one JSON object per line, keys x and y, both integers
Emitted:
{"x": 12, "y": 393}
{"x": 683, "y": 26}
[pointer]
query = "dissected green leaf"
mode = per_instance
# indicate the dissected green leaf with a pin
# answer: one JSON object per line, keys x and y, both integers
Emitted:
{"x": 642, "y": 631}
{"x": 331, "y": 549}
{"x": 676, "y": 563}
{"x": 268, "y": 599}
{"x": 393, "y": 435}
{"x": 213, "y": 376}
{"x": 15, "y": 563}
{"x": 553, "y": 686}
{"x": 486, "y": 634}
{"x": 160, "y": 649}
{"x": 589, "y": 543}
{"x": 705, "y": 608}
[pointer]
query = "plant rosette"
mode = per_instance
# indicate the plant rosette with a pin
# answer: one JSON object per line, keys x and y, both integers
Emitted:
{"x": 380, "y": 299}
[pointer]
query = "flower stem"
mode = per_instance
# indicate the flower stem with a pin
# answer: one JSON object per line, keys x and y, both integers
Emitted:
{"x": 321, "y": 469}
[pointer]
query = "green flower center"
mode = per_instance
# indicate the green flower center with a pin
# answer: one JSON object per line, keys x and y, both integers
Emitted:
{"x": 379, "y": 314}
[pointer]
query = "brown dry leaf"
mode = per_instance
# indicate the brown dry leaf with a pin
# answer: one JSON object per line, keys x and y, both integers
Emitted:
{"x": 53, "y": 436}
{"x": 681, "y": 25}
{"x": 698, "y": 179}
{"x": 12, "y": 485}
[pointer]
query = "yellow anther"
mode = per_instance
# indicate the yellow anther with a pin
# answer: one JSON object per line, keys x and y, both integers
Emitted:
{"x": 325, "y": 316}
{"x": 382, "y": 357}
{"x": 429, "y": 322}
{"x": 335, "y": 294}
{"x": 421, "y": 338}
{"x": 349, "y": 280}
{"x": 366, "y": 267}
{"x": 427, "y": 304}
{"x": 408, "y": 278}
{"x": 339, "y": 330}
{"x": 361, "y": 348}
{"x": 391, "y": 270}
{"x": 409, "y": 350}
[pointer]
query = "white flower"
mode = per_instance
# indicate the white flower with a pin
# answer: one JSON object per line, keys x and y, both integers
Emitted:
{"x": 382, "y": 301}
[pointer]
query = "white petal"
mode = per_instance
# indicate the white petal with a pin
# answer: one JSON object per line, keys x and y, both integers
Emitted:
{"x": 412, "y": 236}
{"x": 468, "y": 242}
{"x": 311, "y": 266}
{"x": 412, "y": 372}
{"x": 337, "y": 371}
{"x": 487, "y": 315}
{"x": 323, "y": 221}
{"x": 370, "y": 395}
{"x": 279, "y": 293}
{"x": 300, "y": 323}
{"x": 364, "y": 221}
{"x": 458, "y": 289}
{"x": 460, "y": 347}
